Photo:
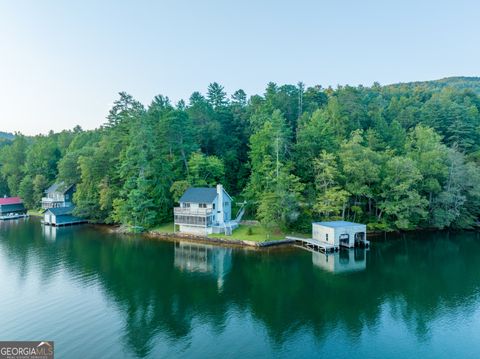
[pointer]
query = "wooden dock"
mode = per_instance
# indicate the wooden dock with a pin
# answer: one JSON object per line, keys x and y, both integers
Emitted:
{"x": 318, "y": 246}
{"x": 14, "y": 216}
{"x": 314, "y": 245}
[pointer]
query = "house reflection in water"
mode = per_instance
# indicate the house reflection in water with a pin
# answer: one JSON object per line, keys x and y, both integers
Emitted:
{"x": 49, "y": 232}
{"x": 52, "y": 233}
{"x": 203, "y": 258}
{"x": 342, "y": 261}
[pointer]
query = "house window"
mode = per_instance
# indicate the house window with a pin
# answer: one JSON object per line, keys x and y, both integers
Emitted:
{"x": 326, "y": 237}
{"x": 202, "y": 205}
{"x": 214, "y": 206}
{"x": 186, "y": 205}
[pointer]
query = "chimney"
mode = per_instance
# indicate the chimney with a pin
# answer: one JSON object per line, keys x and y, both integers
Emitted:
{"x": 220, "y": 213}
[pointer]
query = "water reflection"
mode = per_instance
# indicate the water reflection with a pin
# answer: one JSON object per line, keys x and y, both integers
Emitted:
{"x": 345, "y": 260}
{"x": 49, "y": 232}
{"x": 163, "y": 292}
{"x": 193, "y": 257}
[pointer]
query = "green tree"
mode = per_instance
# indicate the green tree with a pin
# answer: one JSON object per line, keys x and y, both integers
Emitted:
{"x": 205, "y": 170}
{"x": 12, "y": 160}
{"x": 401, "y": 203}
{"x": 331, "y": 200}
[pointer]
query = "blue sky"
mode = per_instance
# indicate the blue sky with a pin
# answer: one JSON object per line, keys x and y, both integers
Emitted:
{"x": 62, "y": 63}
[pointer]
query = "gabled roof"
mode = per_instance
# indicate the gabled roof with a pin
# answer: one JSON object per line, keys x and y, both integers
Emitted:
{"x": 10, "y": 200}
{"x": 337, "y": 224}
{"x": 199, "y": 195}
{"x": 59, "y": 187}
{"x": 61, "y": 211}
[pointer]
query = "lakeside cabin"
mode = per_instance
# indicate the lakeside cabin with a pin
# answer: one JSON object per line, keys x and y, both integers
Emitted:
{"x": 204, "y": 211}
{"x": 58, "y": 195}
{"x": 340, "y": 233}
{"x": 12, "y": 207}
{"x": 61, "y": 216}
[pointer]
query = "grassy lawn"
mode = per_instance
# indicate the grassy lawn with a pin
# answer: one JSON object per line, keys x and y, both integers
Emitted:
{"x": 258, "y": 234}
{"x": 164, "y": 228}
{"x": 35, "y": 213}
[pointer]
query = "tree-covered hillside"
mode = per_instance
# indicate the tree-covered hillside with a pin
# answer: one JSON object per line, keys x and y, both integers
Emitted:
{"x": 6, "y": 136}
{"x": 459, "y": 83}
{"x": 396, "y": 157}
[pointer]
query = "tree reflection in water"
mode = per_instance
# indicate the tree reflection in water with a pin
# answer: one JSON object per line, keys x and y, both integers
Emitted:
{"x": 163, "y": 289}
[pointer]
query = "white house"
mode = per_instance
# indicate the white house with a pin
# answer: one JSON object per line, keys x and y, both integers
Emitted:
{"x": 58, "y": 195}
{"x": 204, "y": 210}
{"x": 340, "y": 233}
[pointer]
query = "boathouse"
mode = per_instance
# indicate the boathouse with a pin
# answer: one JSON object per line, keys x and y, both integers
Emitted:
{"x": 58, "y": 195}
{"x": 12, "y": 206}
{"x": 204, "y": 210}
{"x": 340, "y": 233}
{"x": 61, "y": 216}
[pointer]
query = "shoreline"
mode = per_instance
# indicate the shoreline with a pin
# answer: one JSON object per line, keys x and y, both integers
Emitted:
{"x": 217, "y": 241}
{"x": 236, "y": 243}
{"x": 233, "y": 243}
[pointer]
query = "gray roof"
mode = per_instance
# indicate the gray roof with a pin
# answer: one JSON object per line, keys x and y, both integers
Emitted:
{"x": 61, "y": 211}
{"x": 199, "y": 195}
{"x": 336, "y": 224}
{"x": 58, "y": 187}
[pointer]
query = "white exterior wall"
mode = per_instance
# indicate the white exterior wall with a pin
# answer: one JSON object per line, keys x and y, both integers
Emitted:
{"x": 223, "y": 206}
{"x": 49, "y": 218}
{"x": 319, "y": 232}
{"x": 197, "y": 230}
{"x": 220, "y": 202}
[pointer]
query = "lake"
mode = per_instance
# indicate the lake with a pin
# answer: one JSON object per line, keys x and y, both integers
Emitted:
{"x": 100, "y": 295}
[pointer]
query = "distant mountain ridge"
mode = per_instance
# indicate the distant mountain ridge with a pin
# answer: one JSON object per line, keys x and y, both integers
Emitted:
{"x": 6, "y": 135}
{"x": 458, "y": 82}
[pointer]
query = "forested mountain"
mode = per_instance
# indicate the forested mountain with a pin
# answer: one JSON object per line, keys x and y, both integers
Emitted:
{"x": 459, "y": 83}
{"x": 395, "y": 157}
{"x": 5, "y": 136}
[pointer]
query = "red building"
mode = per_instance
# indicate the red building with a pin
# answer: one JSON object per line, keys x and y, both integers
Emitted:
{"x": 11, "y": 205}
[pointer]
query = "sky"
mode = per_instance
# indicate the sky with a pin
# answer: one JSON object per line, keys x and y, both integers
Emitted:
{"x": 62, "y": 63}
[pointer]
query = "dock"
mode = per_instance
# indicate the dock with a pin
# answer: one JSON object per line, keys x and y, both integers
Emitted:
{"x": 71, "y": 222}
{"x": 314, "y": 245}
{"x": 13, "y": 216}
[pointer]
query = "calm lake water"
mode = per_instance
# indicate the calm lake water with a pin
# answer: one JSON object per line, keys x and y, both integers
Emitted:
{"x": 99, "y": 295}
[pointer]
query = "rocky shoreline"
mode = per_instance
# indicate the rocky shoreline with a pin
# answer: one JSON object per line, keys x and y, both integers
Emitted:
{"x": 217, "y": 241}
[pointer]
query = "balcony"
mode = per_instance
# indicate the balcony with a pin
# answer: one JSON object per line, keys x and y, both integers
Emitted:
{"x": 192, "y": 212}
{"x": 202, "y": 217}
{"x": 48, "y": 202}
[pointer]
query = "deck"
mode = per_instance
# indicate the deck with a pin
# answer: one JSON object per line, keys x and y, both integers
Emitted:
{"x": 318, "y": 246}
{"x": 314, "y": 245}
{"x": 13, "y": 216}
{"x": 66, "y": 223}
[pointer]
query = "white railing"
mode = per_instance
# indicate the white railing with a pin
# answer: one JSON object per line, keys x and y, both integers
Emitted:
{"x": 192, "y": 212}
